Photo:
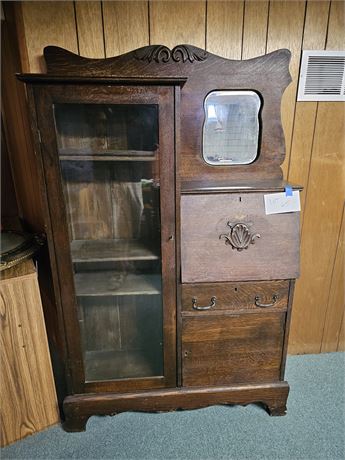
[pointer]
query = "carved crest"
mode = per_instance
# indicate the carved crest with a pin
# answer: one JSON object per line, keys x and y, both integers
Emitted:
{"x": 239, "y": 237}
{"x": 163, "y": 54}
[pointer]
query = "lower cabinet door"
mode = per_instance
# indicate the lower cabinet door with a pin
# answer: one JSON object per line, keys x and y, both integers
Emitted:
{"x": 232, "y": 349}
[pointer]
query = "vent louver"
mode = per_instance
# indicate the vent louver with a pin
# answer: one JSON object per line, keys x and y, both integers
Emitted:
{"x": 322, "y": 76}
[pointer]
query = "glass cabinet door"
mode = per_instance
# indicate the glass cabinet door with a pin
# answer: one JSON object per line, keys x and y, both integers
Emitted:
{"x": 109, "y": 159}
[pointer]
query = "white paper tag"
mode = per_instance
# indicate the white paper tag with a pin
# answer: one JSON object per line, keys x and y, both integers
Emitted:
{"x": 278, "y": 203}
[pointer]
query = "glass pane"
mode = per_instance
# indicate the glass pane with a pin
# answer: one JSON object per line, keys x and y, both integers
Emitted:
{"x": 110, "y": 169}
{"x": 231, "y": 128}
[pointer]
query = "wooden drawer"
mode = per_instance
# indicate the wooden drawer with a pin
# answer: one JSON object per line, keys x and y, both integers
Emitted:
{"x": 210, "y": 298}
{"x": 208, "y": 224}
{"x": 233, "y": 349}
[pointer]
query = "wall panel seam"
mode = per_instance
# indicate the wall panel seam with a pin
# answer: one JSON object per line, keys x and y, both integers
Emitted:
{"x": 314, "y": 131}
{"x": 268, "y": 24}
{"x": 76, "y": 26}
{"x": 294, "y": 110}
{"x": 243, "y": 16}
{"x": 206, "y": 8}
{"x": 342, "y": 326}
{"x": 103, "y": 32}
{"x": 329, "y": 16}
{"x": 327, "y": 26}
{"x": 331, "y": 279}
{"x": 309, "y": 168}
{"x": 149, "y": 20}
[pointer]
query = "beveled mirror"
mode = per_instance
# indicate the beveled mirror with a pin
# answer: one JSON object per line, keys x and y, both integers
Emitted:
{"x": 231, "y": 127}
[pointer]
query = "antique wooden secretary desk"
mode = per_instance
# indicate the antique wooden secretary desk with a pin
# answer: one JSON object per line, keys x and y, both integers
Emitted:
{"x": 173, "y": 286}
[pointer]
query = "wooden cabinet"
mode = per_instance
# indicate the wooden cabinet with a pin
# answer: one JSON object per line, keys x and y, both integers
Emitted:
{"x": 174, "y": 287}
{"x": 28, "y": 397}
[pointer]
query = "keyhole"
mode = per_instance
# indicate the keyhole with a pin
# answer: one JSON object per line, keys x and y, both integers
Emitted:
{"x": 240, "y": 198}
{"x": 186, "y": 353}
{"x": 235, "y": 289}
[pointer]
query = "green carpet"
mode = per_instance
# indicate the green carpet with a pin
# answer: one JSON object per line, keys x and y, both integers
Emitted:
{"x": 312, "y": 429}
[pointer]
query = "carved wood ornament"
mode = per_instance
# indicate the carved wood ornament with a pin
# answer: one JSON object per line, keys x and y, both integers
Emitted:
{"x": 163, "y": 54}
{"x": 239, "y": 236}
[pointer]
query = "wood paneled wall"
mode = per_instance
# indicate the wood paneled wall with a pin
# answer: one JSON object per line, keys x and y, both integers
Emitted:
{"x": 314, "y": 131}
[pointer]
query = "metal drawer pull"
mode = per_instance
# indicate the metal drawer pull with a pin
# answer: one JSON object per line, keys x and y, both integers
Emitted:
{"x": 265, "y": 305}
{"x": 208, "y": 307}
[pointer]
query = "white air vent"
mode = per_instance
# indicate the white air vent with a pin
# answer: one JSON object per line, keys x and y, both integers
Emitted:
{"x": 322, "y": 76}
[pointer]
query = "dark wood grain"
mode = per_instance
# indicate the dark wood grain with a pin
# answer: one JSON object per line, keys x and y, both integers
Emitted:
{"x": 101, "y": 323}
{"x": 88, "y": 200}
{"x": 178, "y": 233}
{"x": 111, "y": 250}
{"x": 125, "y": 364}
{"x": 60, "y": 236}
{"x": 125, "y": 385}
{"x": 105, "y": 200}
{"x": 9, "y": 204}
{"x": 122, "y": 339}
{"x": 48, "y": 279}
{"x": 219, "y": 350}
{"x": 110, "y": 283}
{"x": 116, "y": 80}
{"x": 79, "y": 408}
{"x": 206, "y": 257}
{"x": 16, "y": 124}
{"x": 236, "y": 297}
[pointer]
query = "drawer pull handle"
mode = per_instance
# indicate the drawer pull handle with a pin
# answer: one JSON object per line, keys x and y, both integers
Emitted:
{"x": 239, "y": 237}
{"x": 266, "y": 305}
{"x": 207, "y": 307}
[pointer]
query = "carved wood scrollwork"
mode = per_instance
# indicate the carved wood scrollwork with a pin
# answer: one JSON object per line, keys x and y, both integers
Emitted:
{"x": 163, "y": 54}
{"x": 239, "y": 236}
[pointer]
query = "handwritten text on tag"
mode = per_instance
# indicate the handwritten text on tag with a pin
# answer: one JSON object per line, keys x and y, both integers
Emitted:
{"x": 277, "y": 203}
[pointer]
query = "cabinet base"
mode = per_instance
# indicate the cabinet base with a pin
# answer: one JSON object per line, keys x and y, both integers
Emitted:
{"x": 78, "y": 408}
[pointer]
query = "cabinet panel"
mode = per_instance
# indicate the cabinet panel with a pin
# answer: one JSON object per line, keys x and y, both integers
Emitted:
{"x": 221, "y": 350}
{"x": 268, "y": 295}
{"x": 268, "y": 245}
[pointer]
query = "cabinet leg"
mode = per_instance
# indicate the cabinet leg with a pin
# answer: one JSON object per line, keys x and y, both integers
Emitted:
{"x": 276, "y": 409}
{"x": 75, "y": 422}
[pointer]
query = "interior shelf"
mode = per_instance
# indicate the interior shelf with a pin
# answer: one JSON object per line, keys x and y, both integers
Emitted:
{"x": 115, "y": 283}
{"x": 109, "y": 250}
{"x": 112, "y": 364}
{"x": 106, "y": 155}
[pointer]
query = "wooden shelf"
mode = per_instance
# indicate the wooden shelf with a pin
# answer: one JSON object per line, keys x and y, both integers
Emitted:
{"x": 106, "y": 155}
{"x": 109, "y": 250}
{"x": 113, "y": 364}
{"x": 114, "y": 283}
